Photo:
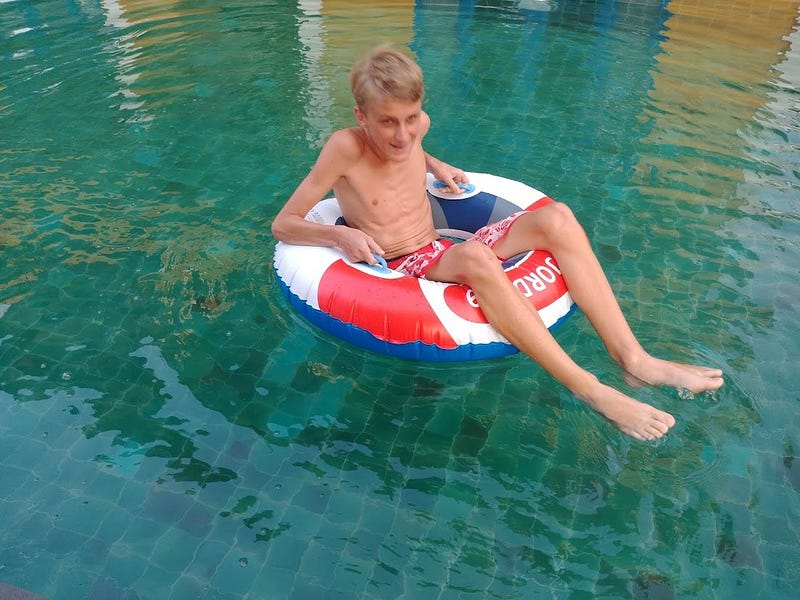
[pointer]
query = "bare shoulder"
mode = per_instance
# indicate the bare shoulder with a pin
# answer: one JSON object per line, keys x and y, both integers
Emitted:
{"x": 348, "y": 143}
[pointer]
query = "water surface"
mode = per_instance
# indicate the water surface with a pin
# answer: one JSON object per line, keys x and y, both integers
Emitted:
{"x": 169, "y": 428}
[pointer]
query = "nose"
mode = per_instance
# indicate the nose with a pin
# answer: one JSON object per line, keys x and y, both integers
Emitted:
{"x": 401, "y": 134}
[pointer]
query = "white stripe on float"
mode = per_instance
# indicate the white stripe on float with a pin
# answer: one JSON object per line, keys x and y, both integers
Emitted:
{"x": 301, "y": 268}
{"x": 461, "y": 330}
{"x": 556, "y": 310}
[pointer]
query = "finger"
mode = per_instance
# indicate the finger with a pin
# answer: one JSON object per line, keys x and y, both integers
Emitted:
{"x": 379, "y": 260}
{"x": 375, "y": 248}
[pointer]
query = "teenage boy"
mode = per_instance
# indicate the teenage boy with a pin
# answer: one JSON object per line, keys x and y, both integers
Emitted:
{"x": 377, "y": 171}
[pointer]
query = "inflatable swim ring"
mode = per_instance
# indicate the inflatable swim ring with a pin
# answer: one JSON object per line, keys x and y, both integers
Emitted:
{"x": 385, "y": 311}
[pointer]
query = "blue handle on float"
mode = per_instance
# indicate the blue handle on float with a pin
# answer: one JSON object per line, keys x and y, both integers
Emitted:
{"x": 466, "y": 188}
{"x": 381, "y": 267}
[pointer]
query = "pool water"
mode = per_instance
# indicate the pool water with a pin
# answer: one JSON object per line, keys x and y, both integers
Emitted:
{"x": 170, "y": 428}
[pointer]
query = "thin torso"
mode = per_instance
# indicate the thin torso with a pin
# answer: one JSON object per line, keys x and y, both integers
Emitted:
{"x": 387, "y": 200}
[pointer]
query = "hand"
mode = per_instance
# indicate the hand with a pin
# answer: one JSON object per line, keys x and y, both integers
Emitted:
{"x": 357, "y": 245}
{"x": 449, "y": 174}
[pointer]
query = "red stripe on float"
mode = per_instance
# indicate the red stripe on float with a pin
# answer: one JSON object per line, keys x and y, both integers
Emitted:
{"x": 541, "y": 202}
{"x": 537, "y": 277}
{"x": 366, "y": 301}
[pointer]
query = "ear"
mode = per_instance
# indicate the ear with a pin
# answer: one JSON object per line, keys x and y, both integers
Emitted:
{"x": 360, "y": 116}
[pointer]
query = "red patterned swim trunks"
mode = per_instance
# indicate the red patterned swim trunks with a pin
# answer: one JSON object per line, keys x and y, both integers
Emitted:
{"x": 417, "y": 263}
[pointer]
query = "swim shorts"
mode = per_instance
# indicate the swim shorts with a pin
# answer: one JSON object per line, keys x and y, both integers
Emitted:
{"x": 417, "y": 263}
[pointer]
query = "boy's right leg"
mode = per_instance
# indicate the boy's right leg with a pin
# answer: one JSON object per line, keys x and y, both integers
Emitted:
{"x": 554, "y": 228}
{"x": 475, "y": 265}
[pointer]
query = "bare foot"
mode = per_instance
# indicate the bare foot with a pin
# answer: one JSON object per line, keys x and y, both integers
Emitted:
{"x": 637, "y": 419}
{"x": 655, "y": 371}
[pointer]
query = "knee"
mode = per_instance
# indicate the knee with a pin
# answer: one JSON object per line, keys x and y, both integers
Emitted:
{"x": 558, "y": 221}
{"x": 476, "y": 260}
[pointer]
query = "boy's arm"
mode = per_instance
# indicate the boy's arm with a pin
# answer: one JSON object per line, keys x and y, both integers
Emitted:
{"x": 442, "y": 171}
{"x": 290, "y": 224}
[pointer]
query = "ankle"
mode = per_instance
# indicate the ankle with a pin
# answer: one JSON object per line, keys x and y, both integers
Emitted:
{"x": 632, "y": 359}
{"x": 586, "y": 387}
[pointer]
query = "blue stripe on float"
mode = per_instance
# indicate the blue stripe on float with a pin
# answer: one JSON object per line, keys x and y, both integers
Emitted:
{"x": 470, "y": 214}
{"x": 563, "y": 318}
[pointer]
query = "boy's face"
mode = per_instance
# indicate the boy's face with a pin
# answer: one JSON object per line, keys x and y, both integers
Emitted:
{"x": 392, "y": 126}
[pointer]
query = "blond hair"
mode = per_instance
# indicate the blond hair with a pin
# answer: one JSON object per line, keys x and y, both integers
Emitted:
{"x": 386, "y": 73}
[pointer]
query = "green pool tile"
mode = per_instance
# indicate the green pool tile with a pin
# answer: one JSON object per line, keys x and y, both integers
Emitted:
{"x": 142, "y": 535}
{"x": 63, "y": 542}
{"x": 345, "y": 507}
{"x": 348, "y": 575}
{"x": 155, "y": 580}
{"x": 197, "y": 521}
{"x": 312, "y": 497}
{"x": 166, "y": 507}
{"x": 187, "y": 586}
{"x": 319, "y": 562}
{"x": 287, "y": 551}
{"x": 292, "y": 520}
{"x": 173, "y": 551}
{"x": 13, "y": 478}
{"x": 273, "y": 582}
{"x": 236, "y": 573}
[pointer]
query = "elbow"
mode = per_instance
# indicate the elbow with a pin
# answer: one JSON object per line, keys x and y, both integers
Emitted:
{"x": 278, "y": 231}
